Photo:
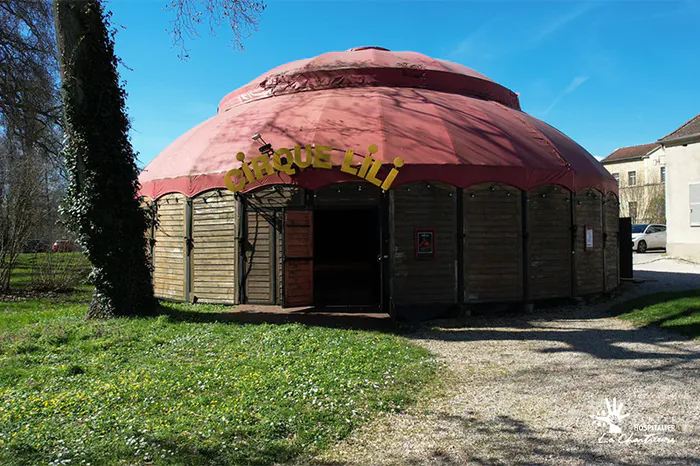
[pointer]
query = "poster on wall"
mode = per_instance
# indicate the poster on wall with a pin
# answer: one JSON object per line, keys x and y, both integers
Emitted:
{"x": 589, "y": 238}
{"x": 425, "y": 243}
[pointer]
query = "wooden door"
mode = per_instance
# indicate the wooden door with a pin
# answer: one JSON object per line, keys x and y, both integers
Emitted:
{"x": 298, "y": 258}
{"x": 259, "y": 266}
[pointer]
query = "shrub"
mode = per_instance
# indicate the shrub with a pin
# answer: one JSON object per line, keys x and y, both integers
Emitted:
{"x": 59, "y": 272}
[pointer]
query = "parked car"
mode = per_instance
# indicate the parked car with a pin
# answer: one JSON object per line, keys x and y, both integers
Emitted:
{"x": 648, "y": 236}
{"x": 63, "y": 245}
{"x": 35, "y": 245}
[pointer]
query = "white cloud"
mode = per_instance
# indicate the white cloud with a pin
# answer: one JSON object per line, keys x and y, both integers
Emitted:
{"x": 575, "y": 83}
{"x": 475, "y": 44}
{"x": 487, "y": 40}
{"x": 560, "y": 22}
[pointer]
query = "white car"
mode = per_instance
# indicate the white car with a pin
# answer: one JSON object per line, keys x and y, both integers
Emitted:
{"x": 648, "y": 236}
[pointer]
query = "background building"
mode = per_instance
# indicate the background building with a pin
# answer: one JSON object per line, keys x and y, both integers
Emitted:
{"x": 641, "y": 174}
{"x": 682, "y": 150}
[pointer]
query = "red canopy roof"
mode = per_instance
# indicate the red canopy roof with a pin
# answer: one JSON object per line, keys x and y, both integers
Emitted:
{"x": 448, "y": 122}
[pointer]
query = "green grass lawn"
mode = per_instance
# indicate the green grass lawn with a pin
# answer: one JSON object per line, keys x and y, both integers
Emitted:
{"x": 167, "y": 391}
{"x": 675, "y": 311}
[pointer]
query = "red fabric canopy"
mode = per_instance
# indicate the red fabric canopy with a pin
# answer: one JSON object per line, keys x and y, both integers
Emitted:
{"x": 449, "y": 124}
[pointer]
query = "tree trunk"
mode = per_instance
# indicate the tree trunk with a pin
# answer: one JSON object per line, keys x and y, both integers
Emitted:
{"x": 102, "y": 192}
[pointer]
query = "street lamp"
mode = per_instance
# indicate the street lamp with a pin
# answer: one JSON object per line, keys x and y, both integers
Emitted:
{"x": 266, "y": 148}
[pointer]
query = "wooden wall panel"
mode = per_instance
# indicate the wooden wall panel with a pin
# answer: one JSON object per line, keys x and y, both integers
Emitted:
{"x": 549, "y": 242}
{"x": 612, "y": 242}
{"x": 265, "y": 258}
{"x": 259, "y": 265}
{"x": 493, "y": 267}
{"x": 279, "y": 247}
{"x": 589, "y": 264}
{"x": 169, "y": 251}
{"x": 431, "y": 281}
{"x": 347, "y": 194}
{"x": 214, "y": 278}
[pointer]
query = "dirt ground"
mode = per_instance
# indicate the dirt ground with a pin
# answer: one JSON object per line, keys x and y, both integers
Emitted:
{"x": 523, "y": 389}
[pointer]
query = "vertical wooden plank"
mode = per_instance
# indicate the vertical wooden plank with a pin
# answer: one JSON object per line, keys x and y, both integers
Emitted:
{"x": 574, "y": 239}
{"x": 241, "y": 211}
{"x": 612, "y": 253}
{"x": 419, "y": 282}
{"x": 604, "y": 242}
{"x": 188, "y": 248}
{"x": 274, "y": 262}
{"x": 524, "y": 201}
{"x": 298, "y": 252}
{"x": 214, "y": 251}
{"x": 549, "y": 243}
{"x": 169, "y": 248}
{"x": 460, "y": 246}
{"x": 259, "y": 266}
{"x": 281, "y": 257}
{"x": 589, "y": 276}
{"x": 492, "y": 264}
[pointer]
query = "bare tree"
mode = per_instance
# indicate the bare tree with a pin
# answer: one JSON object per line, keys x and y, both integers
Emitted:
{"x": 29, "y": 69}
{"x": 29, "y": 130}
{"x": 649, "y": 201}
{"x": 655, "y": 208}
{"x": 241, "y": 17}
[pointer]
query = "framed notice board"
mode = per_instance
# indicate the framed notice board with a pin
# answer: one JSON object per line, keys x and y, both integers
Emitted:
{"x": 424, "y": 243}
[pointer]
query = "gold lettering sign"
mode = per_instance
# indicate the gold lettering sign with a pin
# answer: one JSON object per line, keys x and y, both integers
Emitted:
{"x": 317, "y": 157}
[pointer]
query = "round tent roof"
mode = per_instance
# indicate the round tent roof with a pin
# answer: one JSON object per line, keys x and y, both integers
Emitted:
{"x": 446, "y": 121}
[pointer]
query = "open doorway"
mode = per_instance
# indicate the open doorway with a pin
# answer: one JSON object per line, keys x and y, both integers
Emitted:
{"x": 346, "y": 246}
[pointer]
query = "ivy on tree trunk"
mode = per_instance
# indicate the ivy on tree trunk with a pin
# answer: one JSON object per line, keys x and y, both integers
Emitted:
{"x": 102, "y": 198}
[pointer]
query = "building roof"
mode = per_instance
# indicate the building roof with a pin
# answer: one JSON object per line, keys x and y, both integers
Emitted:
{"x": 447, "y": 122}
{"x": 372, "y": 66}
{"x": 689, "y": 128}
{"x": 632, "y": 152}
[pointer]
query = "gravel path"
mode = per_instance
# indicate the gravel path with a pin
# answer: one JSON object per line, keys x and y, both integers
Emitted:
{"x": 521, "y": 390}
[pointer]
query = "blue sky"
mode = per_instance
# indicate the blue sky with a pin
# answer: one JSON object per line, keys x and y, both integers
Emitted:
{"x": 607, "y": 73}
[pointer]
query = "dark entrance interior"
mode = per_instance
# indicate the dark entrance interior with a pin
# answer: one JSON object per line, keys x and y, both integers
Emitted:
{"x": 346, "y": 247}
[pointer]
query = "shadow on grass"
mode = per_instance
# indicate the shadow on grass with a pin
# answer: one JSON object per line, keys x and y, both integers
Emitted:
{"x": 263, "y": 452}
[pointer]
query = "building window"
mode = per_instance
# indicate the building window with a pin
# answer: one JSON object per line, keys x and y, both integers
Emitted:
{"x": 663, "y": 174}
{"x": 617, "y": 178}
{"x": 631, "y": 178}
{"x": 632, "y": 207}
{"x": 694, "y": 189}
